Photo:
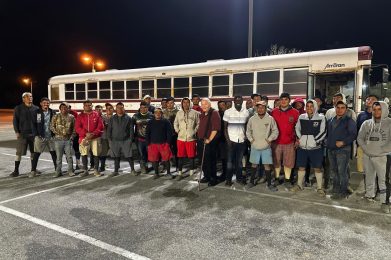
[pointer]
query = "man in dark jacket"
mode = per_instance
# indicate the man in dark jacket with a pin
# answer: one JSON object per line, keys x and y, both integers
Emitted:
{"x": 120, "y": 133}
{"x": 158, "y": 136}
{"x": 341, "y": 133}
{"x": 43, "y": 136}
{"x": 23, "y": 127}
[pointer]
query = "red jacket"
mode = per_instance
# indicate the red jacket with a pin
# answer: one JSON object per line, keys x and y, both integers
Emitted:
{"x": 89, "y": 123}
{"x": 286, "y": 122}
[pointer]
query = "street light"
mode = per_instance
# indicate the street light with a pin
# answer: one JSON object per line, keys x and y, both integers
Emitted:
{"x": 94, "y": 63}
{"x": 28, "y": 81}
{"x": 250, "y": 28}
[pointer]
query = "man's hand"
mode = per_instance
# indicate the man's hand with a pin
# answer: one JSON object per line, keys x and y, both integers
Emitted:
{"x": 267, "y": 141}
{"x": 207, "y": 141}
{"x": 89, "y": 136}
{"x": 17, "y": 135}
{"x": 339, "y": 144}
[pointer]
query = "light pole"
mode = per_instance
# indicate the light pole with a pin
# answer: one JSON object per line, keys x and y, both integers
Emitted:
{"x": 28, "y": 81}
{"x": 90, "y": 60}
{"x": 250, "y": 28}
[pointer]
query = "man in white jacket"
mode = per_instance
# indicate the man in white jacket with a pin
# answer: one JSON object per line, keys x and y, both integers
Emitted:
{"x": 261, "y": 131}
{"x": 310, "y": 131}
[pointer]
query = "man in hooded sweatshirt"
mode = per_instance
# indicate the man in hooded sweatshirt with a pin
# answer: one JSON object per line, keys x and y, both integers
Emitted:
{"x": 261, "y": 132}
{"x": 186, "y": 125}
{"x": 299, "y": 105}
{"x": 374, "y": 138}
{"x": 310, "y": 131}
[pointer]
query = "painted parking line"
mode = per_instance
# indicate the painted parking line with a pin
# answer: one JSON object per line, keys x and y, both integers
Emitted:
{"x": 90, "y": 240}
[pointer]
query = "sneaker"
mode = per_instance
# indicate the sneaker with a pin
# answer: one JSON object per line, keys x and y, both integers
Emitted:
{"x": 385, "y": 208}
{"x": 261, "y": 179}
{"x": 296, "y": 188}
{"x": 228, "y": 183}
{"x": 32, "y": 174}
{"x": 14, "y": 174}
{"x": 57, "y": 175}
{"x": 369, "y": 199}
{"x": 97, "y": 173}
{"x": 71, "y": 173}
{"x": 113, "y": 174}
{"x": 84, "y": 174}
{"x": 272, "y": 188}
{"x": 321, "y": 192}
{"x": 143, "y": 169}
{"x": 191, "y": 172}
{"x": 134, "y": 172}
{"x": 288, "y": 185}
{"x": 350, "y": 190}
{"x": 250, "y": 185}
{"x": 38, "y": 173}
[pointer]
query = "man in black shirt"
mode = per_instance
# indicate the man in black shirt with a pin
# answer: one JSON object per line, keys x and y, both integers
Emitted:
{"x": 158, "y": 137}
{"x": 23, "y": 127}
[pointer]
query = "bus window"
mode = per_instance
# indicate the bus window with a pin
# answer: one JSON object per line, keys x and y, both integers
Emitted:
{"x": 70, "y": 91}
{"x": 268, "y": 83}
{"x": 147, "y": 87}
{"x": 92, "y": 90}
{"x": 200, "y": 86}
{"x": 220, "y": 85}
{"x": 163, "y": 88}
{"x": 296, "y": 82}
{"x": 118, "y": 90}
{"x": 80, "y": 91}
{"x": 55, "y": 92}
{"x": 104, "y": 90}
{"x": 243, "y": 84}
{"x": 181, "y": 87}
{"x": 132, "y": 91}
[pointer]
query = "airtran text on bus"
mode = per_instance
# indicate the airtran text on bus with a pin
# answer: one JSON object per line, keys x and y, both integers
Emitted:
{"x": 334, "y": 65}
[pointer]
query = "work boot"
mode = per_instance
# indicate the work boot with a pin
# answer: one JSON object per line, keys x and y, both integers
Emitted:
{"x": 385, "y": 208}
{"x": 84, "y": 173}
{"x": 143, "y": 168}
{"x": 57, "y": 175}
{"x": 113, "y": 174}
{"x": 14, "y": 174}
{"x": 97, "y": 173}
{"x": 32, "y": 174}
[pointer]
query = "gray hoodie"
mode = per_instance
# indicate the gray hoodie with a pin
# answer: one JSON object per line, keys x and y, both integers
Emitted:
{"x": 375, "y": 137}
{"x": 261, "y": 131}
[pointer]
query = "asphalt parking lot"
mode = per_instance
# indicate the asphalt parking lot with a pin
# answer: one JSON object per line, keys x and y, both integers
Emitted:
{"x": 138, "y": 217}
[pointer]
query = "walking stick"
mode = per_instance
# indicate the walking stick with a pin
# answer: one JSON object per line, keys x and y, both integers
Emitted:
{"x": 202, "y": 165}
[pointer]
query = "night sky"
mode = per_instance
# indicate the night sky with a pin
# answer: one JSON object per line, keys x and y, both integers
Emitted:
{"x": 42, "y": 39}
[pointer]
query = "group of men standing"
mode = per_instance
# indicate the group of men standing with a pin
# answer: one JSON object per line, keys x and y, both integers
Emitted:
{"x": 277, "y": 140}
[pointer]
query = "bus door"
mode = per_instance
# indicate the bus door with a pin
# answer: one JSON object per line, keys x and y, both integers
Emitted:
{"x": 328, "y": 84}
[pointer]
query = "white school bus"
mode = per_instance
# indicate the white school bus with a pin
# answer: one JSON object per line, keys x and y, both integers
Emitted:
{"x": 306, "y": 74}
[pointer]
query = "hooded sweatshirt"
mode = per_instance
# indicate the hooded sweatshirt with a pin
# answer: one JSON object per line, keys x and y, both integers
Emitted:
{"x": 186, "y": 123}
{"x": 261, "y": 129}
{"x": 311, "y": 131}
{"x": 299, "y": 100}
{"x": 375, "y": 137}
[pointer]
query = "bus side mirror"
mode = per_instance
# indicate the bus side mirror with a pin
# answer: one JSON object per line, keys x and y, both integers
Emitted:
{"x": 386, "y": 74}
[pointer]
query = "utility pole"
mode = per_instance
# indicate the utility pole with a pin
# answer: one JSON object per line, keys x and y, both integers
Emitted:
{"x": 250, "y": 28}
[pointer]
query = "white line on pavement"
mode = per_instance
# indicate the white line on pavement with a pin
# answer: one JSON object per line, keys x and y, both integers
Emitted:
{"x": 308, "y": 202}
{"x": 79, "y": 236}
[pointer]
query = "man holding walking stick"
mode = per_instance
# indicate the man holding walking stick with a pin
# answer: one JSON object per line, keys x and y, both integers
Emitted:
{"x": 209, "y": 127}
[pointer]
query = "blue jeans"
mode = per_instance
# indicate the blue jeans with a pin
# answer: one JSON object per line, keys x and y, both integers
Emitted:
{"x": 61, "y": 146}
{"x": 142, "y": 150}
{"x": 234, "y": 159}
{"x": 339, "y": 165}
